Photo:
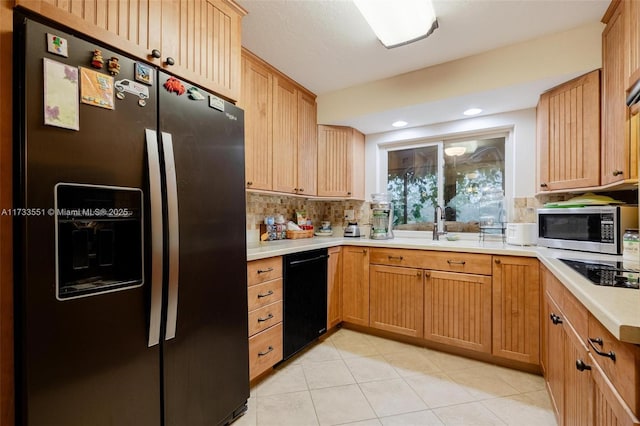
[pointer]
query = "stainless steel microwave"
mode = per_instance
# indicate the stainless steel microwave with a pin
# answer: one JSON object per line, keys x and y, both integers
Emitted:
{"x": 597, "y": 229}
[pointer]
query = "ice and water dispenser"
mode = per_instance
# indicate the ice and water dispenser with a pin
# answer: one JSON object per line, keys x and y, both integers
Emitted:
{"x": 99, "y": 239}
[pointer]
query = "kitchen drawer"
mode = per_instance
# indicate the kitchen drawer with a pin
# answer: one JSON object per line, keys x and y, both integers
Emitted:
{"x": 265, "y": 317}
{"x": 259, "y": 271}
{"x": 624, "y": 371}
{"x": 264, "y": 294}
{"x": 468, "y": 263}
{"x": 265, "y": 350}
{"x": 398, "y": 257}
{"x": 576, "y": 314}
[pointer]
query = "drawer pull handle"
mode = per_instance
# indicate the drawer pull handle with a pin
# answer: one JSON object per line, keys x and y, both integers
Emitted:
{"x": 264, "y": 271}
{"x": 598, "y": 340}
{"x": 395, "y": 257}
{"x": 266, "y": 352}
{"x": 543, "y": 185}
{"x": 555, "y": 319}
{"x": 617, "y": 172}
{"x": 581, "y": 366}
{"x": 267, "y": 318}
{"x": 267, "y": 294}
{"x": 456, "y": 262}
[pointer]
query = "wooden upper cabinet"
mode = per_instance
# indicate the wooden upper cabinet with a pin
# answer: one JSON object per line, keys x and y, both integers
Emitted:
{"x": 568, "y": 131}
{"x": 616, "y": 157}
{"x": 257, "y": 102}
{"x": 202, "y": 37}
{"x": 340, "y": 162}
{"x": 307, "y": 167}
{"x": 516, "y": 309}
{"x": 285, "y": 135}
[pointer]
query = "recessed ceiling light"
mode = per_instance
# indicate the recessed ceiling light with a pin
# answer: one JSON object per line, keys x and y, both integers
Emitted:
{"x": 399, "y": 123}
{"x": 472, "y": 111}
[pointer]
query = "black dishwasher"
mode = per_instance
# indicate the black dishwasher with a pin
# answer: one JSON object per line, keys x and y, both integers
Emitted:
{"x": 305, "y": 299}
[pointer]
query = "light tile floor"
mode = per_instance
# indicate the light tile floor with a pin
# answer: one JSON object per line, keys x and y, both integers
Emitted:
{"x": 356, "y": 379}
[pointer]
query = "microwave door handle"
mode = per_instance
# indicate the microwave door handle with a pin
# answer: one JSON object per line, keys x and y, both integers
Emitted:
{"x": 174, "y": 235}
{"x": 155, "y": 196}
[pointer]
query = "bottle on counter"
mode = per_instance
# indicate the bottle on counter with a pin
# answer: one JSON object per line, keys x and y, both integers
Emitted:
{"x": 631, "y": 245}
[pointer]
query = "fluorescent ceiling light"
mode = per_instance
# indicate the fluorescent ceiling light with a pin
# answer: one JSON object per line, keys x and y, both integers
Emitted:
{"x": 399, "y": 22}
{"x": 472, "y": 111}
{"x": 399, "y": 123}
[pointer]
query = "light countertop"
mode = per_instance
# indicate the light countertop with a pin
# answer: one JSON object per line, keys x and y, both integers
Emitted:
{"x": 618, "y": 309}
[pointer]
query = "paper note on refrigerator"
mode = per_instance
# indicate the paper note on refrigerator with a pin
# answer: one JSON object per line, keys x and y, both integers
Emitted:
{"x": 96, "y": 88}
{"x": 60, "y": 95}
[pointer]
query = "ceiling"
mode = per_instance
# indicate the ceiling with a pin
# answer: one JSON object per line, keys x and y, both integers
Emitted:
{"x": 325, "y": 45}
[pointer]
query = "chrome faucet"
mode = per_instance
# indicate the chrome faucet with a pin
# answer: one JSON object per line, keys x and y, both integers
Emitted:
{"x": 439, "y": 225}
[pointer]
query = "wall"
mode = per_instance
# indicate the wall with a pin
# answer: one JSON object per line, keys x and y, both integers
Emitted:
{"x": 520, "y": 153}
{"x": 572, "y": 52}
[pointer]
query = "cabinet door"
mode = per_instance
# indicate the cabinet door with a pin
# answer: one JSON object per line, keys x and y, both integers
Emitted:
{"x": 615, "y": 132}
{"x": 285, "y": 135}
{"x": 516, "y": 309}
{"x": 335, "y": 155}
{"x": 578, "y": 394}
{"x": 608, "y": 407}
{"x": 257, "y": 102}
{"x": 355, "y": 285}
{"x": 334, "y": 287}
{"x": 554, "y": 357}
{"x": 396, "y": 299}
{"x": 203, "y": 39}
{"x": 307, "y": 144}
{"x": 568, "y": 134}
{"x": 457, "y": 310}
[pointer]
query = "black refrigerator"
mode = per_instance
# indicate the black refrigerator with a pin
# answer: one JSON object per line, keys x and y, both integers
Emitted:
{"x": 130, "y": 275}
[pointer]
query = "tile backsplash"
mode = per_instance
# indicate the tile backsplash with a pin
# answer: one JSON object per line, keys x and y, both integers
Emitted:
{"x": 260, "y": 205}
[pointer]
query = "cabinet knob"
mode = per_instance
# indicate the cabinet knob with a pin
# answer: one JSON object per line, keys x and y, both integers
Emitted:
{"x": 419, "y": 274}
{"x": 555, "y": 319}
{"x": 543, "y": 185}
{"x": 581, "y": 366}
{"x": 295, "y": 189}
{"x": 156, "y": 53}
{"x": 301, "y": 190}
{"x": 170, "y": 61}
{"x": 364, "y": 251}
{"x": 498, "y": 261}
{"x": 617, "y": 172}
{"x": 249, "y": 183}
{"x": 427, "y": 274}
{"x": 349, "y": 193}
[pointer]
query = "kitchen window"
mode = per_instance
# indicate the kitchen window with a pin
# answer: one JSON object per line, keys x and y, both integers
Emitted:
{"x": 466, "y": 177}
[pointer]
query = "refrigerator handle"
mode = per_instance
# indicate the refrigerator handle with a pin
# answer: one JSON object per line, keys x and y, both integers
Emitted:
{"x": 155, "y": 196}
{"x": 174, "y": 235}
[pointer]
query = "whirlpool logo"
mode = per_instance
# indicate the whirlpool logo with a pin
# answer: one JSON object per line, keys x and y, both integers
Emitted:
{"x": 231, "y": 116}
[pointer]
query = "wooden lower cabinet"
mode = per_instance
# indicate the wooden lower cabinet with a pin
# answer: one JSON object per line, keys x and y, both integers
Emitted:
{"x": 334, "y": 287}
{"x": 457, "y": 310}
{"x": 396, "y": 299}
{"x": 265, "y": 350}
{"x": 516, "y": 309}
{"x": 582, "y": 393}
{"x": 355, "y": 285}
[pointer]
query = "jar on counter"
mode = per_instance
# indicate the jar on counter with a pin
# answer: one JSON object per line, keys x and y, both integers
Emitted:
{"x": 631, "y": 244}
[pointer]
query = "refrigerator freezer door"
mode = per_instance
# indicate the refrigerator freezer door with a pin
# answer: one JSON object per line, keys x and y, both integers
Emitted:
{"x": 206, "y": 373}
{"x": 82, "y": 361}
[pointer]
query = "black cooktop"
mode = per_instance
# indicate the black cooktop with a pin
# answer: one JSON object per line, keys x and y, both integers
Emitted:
{"x": 612, "y": 274}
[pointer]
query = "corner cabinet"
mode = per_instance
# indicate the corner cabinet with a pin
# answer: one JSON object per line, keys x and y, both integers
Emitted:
{"x": 198, "y": 41}
{"x": 280, "y": 130}
{"x": 516, "y": 309}
{"x": 568, "y": 133}
{"x": 355, "y": 285}
{"x": 340, "y": 162}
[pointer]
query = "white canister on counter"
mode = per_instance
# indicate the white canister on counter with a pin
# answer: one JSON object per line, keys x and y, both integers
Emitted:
{"x": 631, "y": 245}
